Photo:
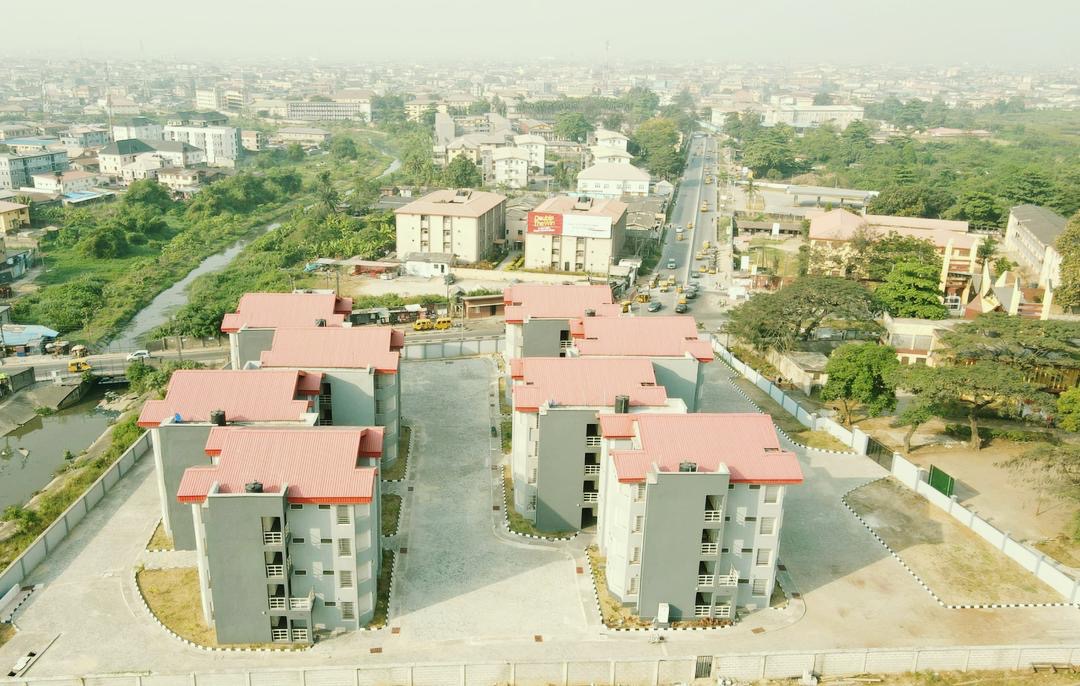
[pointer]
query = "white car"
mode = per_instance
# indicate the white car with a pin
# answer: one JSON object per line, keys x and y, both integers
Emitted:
{"x": 138, "y": 355}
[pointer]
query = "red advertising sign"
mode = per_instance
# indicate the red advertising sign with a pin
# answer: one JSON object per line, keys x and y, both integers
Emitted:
{"x": 545, "y": 223}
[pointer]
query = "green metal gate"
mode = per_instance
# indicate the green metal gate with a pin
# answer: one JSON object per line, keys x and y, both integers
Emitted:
{"x": 941, "y": 481}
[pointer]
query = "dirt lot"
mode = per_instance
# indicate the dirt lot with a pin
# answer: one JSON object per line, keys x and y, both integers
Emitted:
{"x": 1024, "y": 678}
{"x": 960, "y": 567}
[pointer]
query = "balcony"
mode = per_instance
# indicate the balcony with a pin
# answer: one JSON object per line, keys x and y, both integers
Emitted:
{"x": 277, "y": 603}
{"x": 591, "y": 496}
{"x": 714, "y": 515}
{"x": 273, "y": 537}
{"x": 701, "y": 610}
{"x": 275, "y": 571}
{"x": 729, "y": 579}
{"x": 566, "y": 345}
{"x": 279, "y": 634}
{"x": 722, "y": 611}
{"x": 300, "y": 603}
{"x": 709, "y": 548}
{"x": 705, "y": 580}
{"x": 592, "y": 469}
{"x": 300, "y": 635}
{"x": 592, "y": 441}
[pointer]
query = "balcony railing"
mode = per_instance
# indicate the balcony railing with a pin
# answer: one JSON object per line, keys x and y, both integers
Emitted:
{"x": 592, "y": 469}
{"x": 277, "y": 603}
{"x": 722, "y": 611}
{"x": 701, "y": 610}
{"x": 300, "y": 634}
{"x": 592, "y": 441}
{"x": 275, "y": 571}
{"x": 714, "y": 515}
{"x": 299, "y": 603}
{"x": 709, "y": 548}
{"x": 591, "y": 497}
{"x": 705, "y": 580}
{"x": 279, "y": 634}
{"x": 273, "y": 537}
{"x": 729, "y": 579}
{"x": 566, "y": 345}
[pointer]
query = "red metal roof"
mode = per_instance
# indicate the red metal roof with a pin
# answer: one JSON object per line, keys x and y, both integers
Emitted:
{"x": 371, "y": 444}
{"x": 745, "y": 442}
{"x": 316, "y": 466}
{"x": 245, "y": 396}
{"x": 357, "y": 347}
{"x": 557, "y": 301}
{"x": 590, "y": 382}
{"x": 639, "y": 337}
{"x": 279, "y": 310}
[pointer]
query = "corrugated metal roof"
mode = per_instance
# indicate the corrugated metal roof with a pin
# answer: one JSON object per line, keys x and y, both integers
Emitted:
{"x": 348, "y": 348}
{"x": 280, "y": 310}
{"x": 746, "y": 443}
{"x": 639, "y": 337}
{"x": 1043, "y": 223}
{"x": 371, "y": 444}
{"x": 245, "y": 396}
{"x": 450, "y": 203}
{"x": 590, "y": 382}
{"x": 557, "y": 301}
{"x": 316, "y": 466}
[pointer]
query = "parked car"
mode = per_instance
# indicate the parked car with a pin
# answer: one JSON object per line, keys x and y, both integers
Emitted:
{"x": 681, "y": 308}
{"x": 655, "y": 306}
{"x": 138, "y": 355}
{"x": 671, "y": 264}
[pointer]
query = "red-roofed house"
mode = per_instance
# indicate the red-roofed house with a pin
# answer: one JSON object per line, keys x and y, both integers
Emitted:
{"x": 690, "y": 511}
{"x": 251, "y": 327}
{"x": 198, "y": 400}
{"x": 288, "y": 522}
{"x": 556, "y": 435}
{"x": 538, "y": 315}
{"x": 360, "y": 367}
{"x": 670, "y": 343}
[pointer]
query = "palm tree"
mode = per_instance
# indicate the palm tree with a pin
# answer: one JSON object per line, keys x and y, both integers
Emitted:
{"x": 751, "y": 192}
{"x": 325, "y": 192}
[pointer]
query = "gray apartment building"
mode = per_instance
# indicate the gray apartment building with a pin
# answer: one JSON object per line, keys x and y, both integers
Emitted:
{"x": 538, "y": 316}
{"x": 361, "y": 374}
{"x": 287, "y": 531}
{"x": 671, "y": 344}
{"x": 17, "y": 171}
{"x": 251, "y": 328}
{"x": 691, "y": 508}
{"x": 198, "y": 400}
{"x": 555, "y": 457}
{"x": 1030, "y": 238}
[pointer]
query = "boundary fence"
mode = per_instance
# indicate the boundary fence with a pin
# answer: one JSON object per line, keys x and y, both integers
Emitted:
{"x": 447, "y": 348}
{"x": 657, "y": 672}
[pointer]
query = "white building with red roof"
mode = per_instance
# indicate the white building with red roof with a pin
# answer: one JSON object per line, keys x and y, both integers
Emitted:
{"x": 251, "y": 327}
{"x": 555, "y": 457}
{"x": 575, "y": 234}
{"x": 671, "y": 344}
{"x": 691, "y": 508}
{"x": 288, "y": 531}
{"x": 196, "y": 401}
{"x": 538, "y": 315}
{"x": 360, "y": 370}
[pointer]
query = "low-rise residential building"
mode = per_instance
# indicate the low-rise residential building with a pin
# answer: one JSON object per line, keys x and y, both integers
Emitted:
{"x": 116, "y": 155}
{"x": 671, "y": 344}
{"x": 196, "y": 401}
{"x": 70, "y": 181}
{"x": 915, "y": 340}
{"x": 13, "y": 130}
{"x": 287, "y": 524}
{"x": 144, "y": 167}
{"x": 610, "y": 139}
{"x": 555, "y": 458}
{"x": 253, "y": 140}
{"x": 13, "y": 216}
{"x": 465, "y": 223}
{"x": 539, "y": 315}
{"x": 613, "y": 180}
{"x": 306, "y": 110}
{"x": 251, "y": 328}
{"x": 86, "y": 136}
{"x": 139, "y": 128}
{"x": 536, "y": 147}
{"x": 1029, "y": 239}
{"x": 510, "y": 167}
{"x": 360, "y": 367}
{"x": 197, "y": 119}
{"x": 811, "y": 116}
{"x": 575, "y": 234}
{"x": 17, "y": 171}
{"x": 601, "y": 154}
{"x": 302, "y": 135}
{"x": 221, "y": 144}
{"x": 691, "y": 510}
{"x": 184, "y": 181}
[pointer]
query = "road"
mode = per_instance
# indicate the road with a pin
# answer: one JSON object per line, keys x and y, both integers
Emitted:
{"x": 45, "y": 364}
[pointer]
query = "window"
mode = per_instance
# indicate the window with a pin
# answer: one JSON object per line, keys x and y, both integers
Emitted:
{"x": 330, "y": 603}
{"x": 295, "y": 506}
{"x": 747, "y": 551}
{"x": 772, "y": 494}
{"x": 345, "y": 578}
{"x": 532, "y": 503}
{"x": 324, "y": 507}
{"x": 639, "y": 494}
{"x": 328, "y": 572}
{"x": 298, "y": 539}
{"x": 724, "y": 550}
{"x": 632, "y": 588}
{"x": 768, "y": 526}
{"x": 300, "y": 572}
{"x": 755, "y": 487}
{"x": 639, "y": 523}
{"x": 763, "y": 557}
{"x": 759, "y": 587}
{"x": 343, "y": 516}
{"x": 348, "y": 610}
{"x": 324, "y": 541}
{"x": 344, "y": 547}
{"x": 635, "y": 557}
{"x": 749, "y": 519}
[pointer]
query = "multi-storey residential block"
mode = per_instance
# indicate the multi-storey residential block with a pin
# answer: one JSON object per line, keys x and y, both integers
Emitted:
{"x": 811, "y": 116}
{"x": 360, "y": 367}
{"x": 464, "y": 223}
{"x": 17, "y": 171}
{"x": 196, "y": 401}
{"x": 691, "y": 508}
{"x": 139, "y": 128}
{"x": 254, "y": 140}
{"x": 302, "y": 135}
{"x": 601, "y": 154}
{"x": 555, "y": 458}
{"x": 116, "y": 155}
{"x": 86, "y": 136}
{"x": 613, "y": 180}
{"x": 70, "y": 181}
{"x": 328, "y": 111}
{"x": 536, "y": 147}
{"x": 510, "y": 167}
{"x": 220, "y": 143}
{"x": 575, "y": 234}
{"x": 538, "y": 316}
{"x": 671, "y": 344}
{"x": 610, "y": 139}
{"x": 1029, "y": 239}
{"x": 287, "y": 524}
{"x": 14, "y": 131}
{"x": 251, "y": 328}
{"x": 13, "y": 216}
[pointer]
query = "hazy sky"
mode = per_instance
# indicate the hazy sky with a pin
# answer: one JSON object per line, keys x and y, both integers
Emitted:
{"x": 998, "y": 32}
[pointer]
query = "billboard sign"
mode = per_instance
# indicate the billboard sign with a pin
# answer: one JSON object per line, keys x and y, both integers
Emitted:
{"x": 583, "y": 226}
{"x": 545, "y": 223}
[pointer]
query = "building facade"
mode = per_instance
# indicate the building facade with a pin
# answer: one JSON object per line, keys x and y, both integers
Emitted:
{"x": 13, "y": 216}
{"x": 304, "y": 110}
{"x": 17, "y": 171}
{"x": 220, "y": 143}
{"x": 467, "y": 224}
{"x": 1029, "y": 239}
{"x": 536, "y": 148}
{"x": 70, "y": 181}
{"x": 139, "y": 128}
{"x": 254, "y": 141}
{"x": 510, "y": 167}
{"x": 116, "y": 155}
{"x": 613, "y": 180}
{"x": 251, "y": 328}
{"x": 538, "y": 316}
{"x": 579, "y": 234}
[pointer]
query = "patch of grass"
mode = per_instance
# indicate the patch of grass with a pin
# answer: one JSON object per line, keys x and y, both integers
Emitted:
{"x": 397, "y": 470}
{"x": 819, "y": 439}
{"x": 778, "y": 600}
{"x": 173, "y": 597}
{"x": 518, "y": 522}
{"x": 382, "y": 593}
{"x": 160, "y": 540}
{"x": 6, "y": 633}
{"x": 505, "y": 408}
{"x": 389, "y": 510}
{"x": 611, "y": 610}
{"x": 1064, "y": 549}
{"x": 506, "y": 431}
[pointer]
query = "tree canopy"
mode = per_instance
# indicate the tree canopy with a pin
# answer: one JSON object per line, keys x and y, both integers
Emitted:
{"x": 462, "y": 173}
{"x": 911, "y": 290}
{"x": 656, "y": 141}
{"x": 1068, "y": 246}
{"x": 862, "y": 375}
{"x": 573, "y": 126}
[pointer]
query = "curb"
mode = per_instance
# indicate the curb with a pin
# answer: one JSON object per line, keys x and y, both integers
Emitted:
{"x": 506, "y": 517}
{"x": 412, "y": 441}
{"x": 789, "y": 439}
{"x": 918, "y": 579}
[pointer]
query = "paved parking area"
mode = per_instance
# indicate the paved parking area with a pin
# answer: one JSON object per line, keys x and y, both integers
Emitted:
{"x": 458, "y": 578}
